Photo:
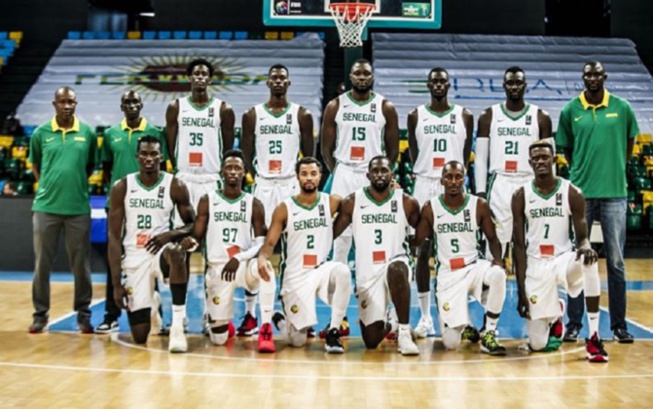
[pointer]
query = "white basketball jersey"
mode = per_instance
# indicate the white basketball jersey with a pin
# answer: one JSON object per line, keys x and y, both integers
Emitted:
{"x": 440, "y": 139}
{"x": 456, "y": 234}
{"x": 277, "y": 142}
{"x": 306, "y": 240}
{"x": 380, "y": 232}
{"x": 360, "y": 128}
{"x": 199, "y": 138}
{"x": 548, "y": 221}
{"x": 510, "y": 138}
{"x": 148, "y": 212}
{"x": 230, "y": 227}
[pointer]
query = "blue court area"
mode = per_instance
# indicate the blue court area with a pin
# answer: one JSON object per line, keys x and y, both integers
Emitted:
{"x": 510, "y": 324}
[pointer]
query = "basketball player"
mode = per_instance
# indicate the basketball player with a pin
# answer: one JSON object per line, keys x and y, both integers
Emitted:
{"x": 381, "y": 216}
{"x": 142, "y": 206}
{"x": 273, "y": 133}
{"x": 542, "y": 211}
{"x": 357, "y": 126}
{"x": 504, "y": 133}
{"x": 438, "y": 133}
{"x": 304, "y": 223}
{"x": 199, "y": 129}
{"x": 233, "y": 223}
{"x": 454, "y": 221}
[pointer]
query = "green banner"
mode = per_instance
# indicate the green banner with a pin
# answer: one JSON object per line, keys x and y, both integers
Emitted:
{"x": 416, "y": 9}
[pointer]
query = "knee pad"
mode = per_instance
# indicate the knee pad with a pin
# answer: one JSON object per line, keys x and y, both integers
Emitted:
{"x": 592, "y": 283}
{"x": 451, "y": 337}
{"x": 296, "y": 338}
{"x": 219, "y": 338}
{"x": 496, "y": 276}
{"x": 141, "y": 316}
{"x": 538, "y": 334}
{"x": 252, "y": 278}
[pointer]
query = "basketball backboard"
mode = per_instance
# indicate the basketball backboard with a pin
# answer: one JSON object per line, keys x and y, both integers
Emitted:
{"x": 417, "y": 14}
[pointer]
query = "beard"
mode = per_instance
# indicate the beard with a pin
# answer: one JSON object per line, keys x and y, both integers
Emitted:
{"x": 362, "y": 88}
{"x": 310, "y": 189}
{"x": 380, "y": 187}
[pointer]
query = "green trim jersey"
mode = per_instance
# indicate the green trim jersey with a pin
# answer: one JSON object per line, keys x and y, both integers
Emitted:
{"x": 548, "y": 221}
{"x": 199, "y": 138}
{"x": 510, "y": 138}
{"x": 230, "y": 227}
{"x": 380, "y": 232}
{"x": 148, "y": 212}
{"x": 440, "y": 139}
{"x": 277, "y": 142}
{"x": 456, "y": 233}
{"x": 360, "y": 128}
{"x": 306, "y": 240}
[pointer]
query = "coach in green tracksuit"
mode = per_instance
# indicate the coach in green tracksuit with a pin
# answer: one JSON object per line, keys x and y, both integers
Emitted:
{"x": 118, "y": 155}
{"x": 62, "y": 152}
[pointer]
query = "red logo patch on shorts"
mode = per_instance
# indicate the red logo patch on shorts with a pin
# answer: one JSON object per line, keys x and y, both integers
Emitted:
{"x": 142, "y": 239}
{"x": 438, "y": 163}
{"x": 511, "y": 166}
{"x": 378, "y": 257}
{"x": 274, "y": 166}
{"x": 547, "y": 250}
{"x": 310, "y": 260}
{"x": 232, "y": 251}
{"x": 357, "y": 153}
{"x": 195, "y": 158}
{"x": 457, "y": 263}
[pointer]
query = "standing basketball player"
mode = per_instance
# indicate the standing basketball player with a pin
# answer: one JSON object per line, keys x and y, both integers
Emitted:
{"x": 273, "y": 134}
{"x": 438, "y": 133}
{"x": 542, "y": 211}
{"x": 381, "y": 216}
{"x": 357, "y": 126}
{"x": 504, "y": 134}
{"x": 454, "y": 221}
{"x": 304, "y": 223}
{"x": 142, "y": 206}
{"x": 199, "y": 129}
{"x": 233, "y": 223}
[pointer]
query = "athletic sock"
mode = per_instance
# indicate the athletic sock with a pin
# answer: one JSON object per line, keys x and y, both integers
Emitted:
{"x": 178, "y": 314}
{"x": 491, "y": 323}
{"x": 593, "y": 318}
{"x": 250, "y": 304}
{"x": 425, "y": 303}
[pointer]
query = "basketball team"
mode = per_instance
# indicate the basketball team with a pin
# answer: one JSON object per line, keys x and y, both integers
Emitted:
{"x": 521, "y": 212}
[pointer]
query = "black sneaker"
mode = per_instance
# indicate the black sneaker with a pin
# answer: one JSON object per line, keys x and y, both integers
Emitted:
{"x": 622, "y": 336}
{"x": 333, "y": 344}
{"x": 109, "y": 325}
{"x": 85, "y": 327}
{"x": 571, "y": 334}
{"x": 38, "y": 326}
{"x": 277, "y": 317}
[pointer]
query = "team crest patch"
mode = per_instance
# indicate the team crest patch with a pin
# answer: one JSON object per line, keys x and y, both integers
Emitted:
{"x": 452, "y": 119}
{"x": 243, "y": 206}
{"x": 162, "y": 192}
{"x": 373, "y": 108}
{"x": 533, "y": 299}
{"x": 289, "y": 119}
{"x": 393, "y": 206}
{"x": 446, "y": 306}
{"x": 216, "y": 300}
{"x": 364, "y": 304}
{"x": 558, "y": 199}
{"x": 321, "y": 210}
{"x": 130, "y": 290}
{"x": 294, "y": 309}
{"x": 528, "y": 119}
{"x": 211, "y": 112}
{"x": 467, "y": 215}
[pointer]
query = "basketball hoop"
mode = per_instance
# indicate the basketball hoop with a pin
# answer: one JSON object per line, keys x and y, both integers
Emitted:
{"x": 351, "y": 19}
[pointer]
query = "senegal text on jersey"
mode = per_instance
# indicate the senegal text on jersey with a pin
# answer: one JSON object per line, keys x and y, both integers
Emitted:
{"x": 201, "y": 122}
{"x": 310, "y": 223}
{"x": 275, "y": 129}
{"x": 439, "y": 129}
{"x": 455, "y": 228}
{"x": 503, "y": 131}
{"x": 350, "y": 116}
{"x": 230, "y": 217}
{"x": 378, "y": 218}
{"x": 547, "y": 212}
{"x": 146, "y": 203}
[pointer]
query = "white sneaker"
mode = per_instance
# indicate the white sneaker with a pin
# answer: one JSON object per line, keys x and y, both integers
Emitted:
{"x": 424, "y": 327}
{"x": 156, "y": 321}
{"x": 177, "y": 340}
{"x": 406, "y": 346}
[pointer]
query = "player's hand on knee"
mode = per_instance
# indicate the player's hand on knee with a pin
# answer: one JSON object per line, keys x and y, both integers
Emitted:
{"x": 120, "y": 296}
{"x": 189, "y": 244}
{"x": 264, "y": 270}
{"x": 522, "y": 307}
{"x": 157, "y": 242}
{"x": 590, "y": 256}
{"x": 229, "y": 270}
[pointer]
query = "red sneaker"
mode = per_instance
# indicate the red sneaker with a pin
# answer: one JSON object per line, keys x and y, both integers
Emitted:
{"x": 231, "y": 329}
{"x": 343, "y": 331}
{"x": 594, "y": 349}
{"x": 557, "y": 328}
{"x": 266, "y": 339}
{"x": 248, "y": 327}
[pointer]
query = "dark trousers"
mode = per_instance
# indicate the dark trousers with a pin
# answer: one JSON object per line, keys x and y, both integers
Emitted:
{"x": 111, "y": 310}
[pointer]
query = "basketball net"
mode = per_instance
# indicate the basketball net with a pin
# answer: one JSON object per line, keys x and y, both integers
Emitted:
{"x": 351, "y": 19}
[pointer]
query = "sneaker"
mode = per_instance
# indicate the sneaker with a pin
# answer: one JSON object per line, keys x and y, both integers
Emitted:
{"x": 108, "y": 326}
{"x": 343, "y": 331}
{"x": 266, "y": 339}
{"x": 177, "y": 341}
{"x": 594, "y": 349}
{"x": 425, "y": 327}
{"x": 38, "y": 326}
{"x": 310, "y": 332}
{"x": 248, "y": 327}
{"x": 622, "y": 336}
{"x": 277, "y": 317}
{"x": 393, "y": 324}
{"x": 406, "y": 346}
{"x": 85, "y": 327}
{"x": 491, "y": 346}
{"x": 231, "y": 330}
{"x": 471, "y": 334}
{"x": 333, "y": 344}
{"x": 571, "y": 333}
{"x": 557, "y": 329}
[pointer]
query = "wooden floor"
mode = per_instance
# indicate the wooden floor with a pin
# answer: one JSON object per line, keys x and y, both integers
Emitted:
{"x": 59, "y": 370}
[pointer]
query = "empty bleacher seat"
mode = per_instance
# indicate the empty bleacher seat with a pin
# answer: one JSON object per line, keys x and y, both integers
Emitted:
{"x": 226, "y": 35}
{"x": 240, "y": 35}
{"x": 103, "y": 35}
{"x": 134, "y": 35}
{"x": 271, "y": 35}
{"x": 165, "y": 35}
{"x": 74, "y": 35}
{"x": 149, "y": 35}
{"x": 179, "y": 35}
{"x": 194, "y": 35}
{"x": 210, "y": 35}
{"x": 119, "y": 35}
{"x": 4, "y": 35}
{"x": 88, "y": 35}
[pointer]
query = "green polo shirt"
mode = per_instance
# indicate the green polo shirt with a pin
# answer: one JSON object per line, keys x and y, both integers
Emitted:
{"x": 598, "y": 138}
{"x": 63, "y": 156}
{"x": 120, "y": 146}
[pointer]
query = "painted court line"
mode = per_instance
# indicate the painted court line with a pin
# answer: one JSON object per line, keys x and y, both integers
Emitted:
{"x": 302, "y": 377}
